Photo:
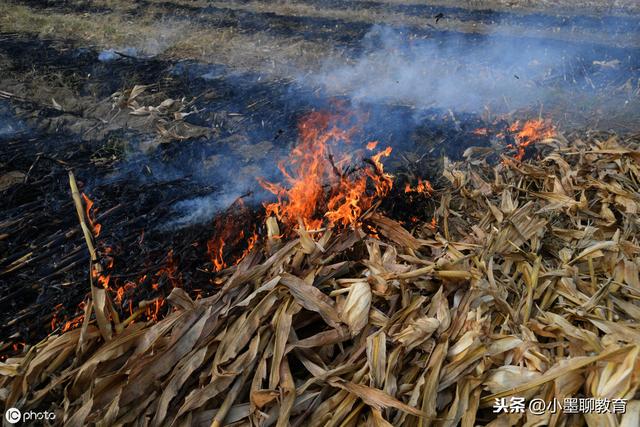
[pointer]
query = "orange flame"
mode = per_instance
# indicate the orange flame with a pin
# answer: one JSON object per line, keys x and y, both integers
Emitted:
{"x": 90, "y": 215}
{"x": 310, "y": 169}
{"x": 215, "y": 251}
{"x": 251, "y": 242}
{"x": 73, "y": 323}
{"x": 171, "y": 271}
{"x": 433, "y": 225}
{"x": 152, "y": 311}
{"x": 423, "y": 187}
{"x": 68, "y": 324}
{"x": 229, "y": 236}
{"x": 530, "y": 132}
{"x": 102, "y": 279}
{"x": 316, "y": 177}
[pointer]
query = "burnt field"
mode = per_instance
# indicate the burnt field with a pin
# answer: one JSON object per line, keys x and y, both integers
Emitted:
{"x": 170, "y": 169}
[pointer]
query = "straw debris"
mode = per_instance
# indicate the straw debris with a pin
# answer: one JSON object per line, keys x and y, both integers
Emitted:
{"x": 529, "y": 287}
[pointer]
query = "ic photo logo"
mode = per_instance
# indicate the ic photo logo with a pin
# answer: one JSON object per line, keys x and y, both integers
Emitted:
{"x": 13, "y": 415}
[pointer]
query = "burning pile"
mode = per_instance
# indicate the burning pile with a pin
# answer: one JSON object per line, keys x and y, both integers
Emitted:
{"x": 528, "y": 289}
{"x": 322, "y": 186}
{"x": 328, "y": 181}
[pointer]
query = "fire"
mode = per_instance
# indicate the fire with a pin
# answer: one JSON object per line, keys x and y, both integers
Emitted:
{"x": 344, "y": 208}
{"x": 530, "y": 132}
{"x": 251, "y": 242}
{"x": 73, "y": 323}
{"x": 310, "y": 168}
{"x": 481, "y": 132}
{"x": 171, "y": 271}
{"x": 68, "y": 324}
{"x": 215, "y": 251}
{"x": 433, "y": 225}
{"x": 54, "y": 316}
{"x": 317, "y": 180}
{"x": 91, "y": 215}
{"x": 103, "y": 280}
{"x": 126, "y": 292}
{"x": 229, "y": 236}
{"x": 96, "y": 272}
{"x": 382, "y": 181}
{"x": 423, "y": 187}
{"x": 349, "y": 201}
{"x": 123, "y": 290}
{"x": 153, "y": 311}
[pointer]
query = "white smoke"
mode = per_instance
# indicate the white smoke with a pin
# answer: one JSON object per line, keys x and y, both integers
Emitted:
{"x": 450, "y": 72}
{"x": 199, "y": 210}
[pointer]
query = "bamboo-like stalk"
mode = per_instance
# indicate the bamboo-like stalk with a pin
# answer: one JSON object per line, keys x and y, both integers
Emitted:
{"x": 77, "y": 201}
{"x": 99, "y": 296}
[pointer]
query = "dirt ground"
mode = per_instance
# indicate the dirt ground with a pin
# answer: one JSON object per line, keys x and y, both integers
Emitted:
{"x": 284, "y": 39}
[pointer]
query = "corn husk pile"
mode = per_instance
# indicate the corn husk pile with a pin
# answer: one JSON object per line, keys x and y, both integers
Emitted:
{"x": 529, "y": 287}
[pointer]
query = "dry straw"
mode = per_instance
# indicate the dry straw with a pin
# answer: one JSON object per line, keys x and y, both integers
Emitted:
{"x": 529, "y": 288}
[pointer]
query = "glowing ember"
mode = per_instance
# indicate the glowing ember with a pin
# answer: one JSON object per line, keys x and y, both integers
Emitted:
{"x": 316, "y": 177}
{"x": 530, "y": 132}
{"x": 171, "y": 271}
{"x": 68, "y": 324}
{"x": 433, "y": 225}
{"x": 54, "y": 316}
